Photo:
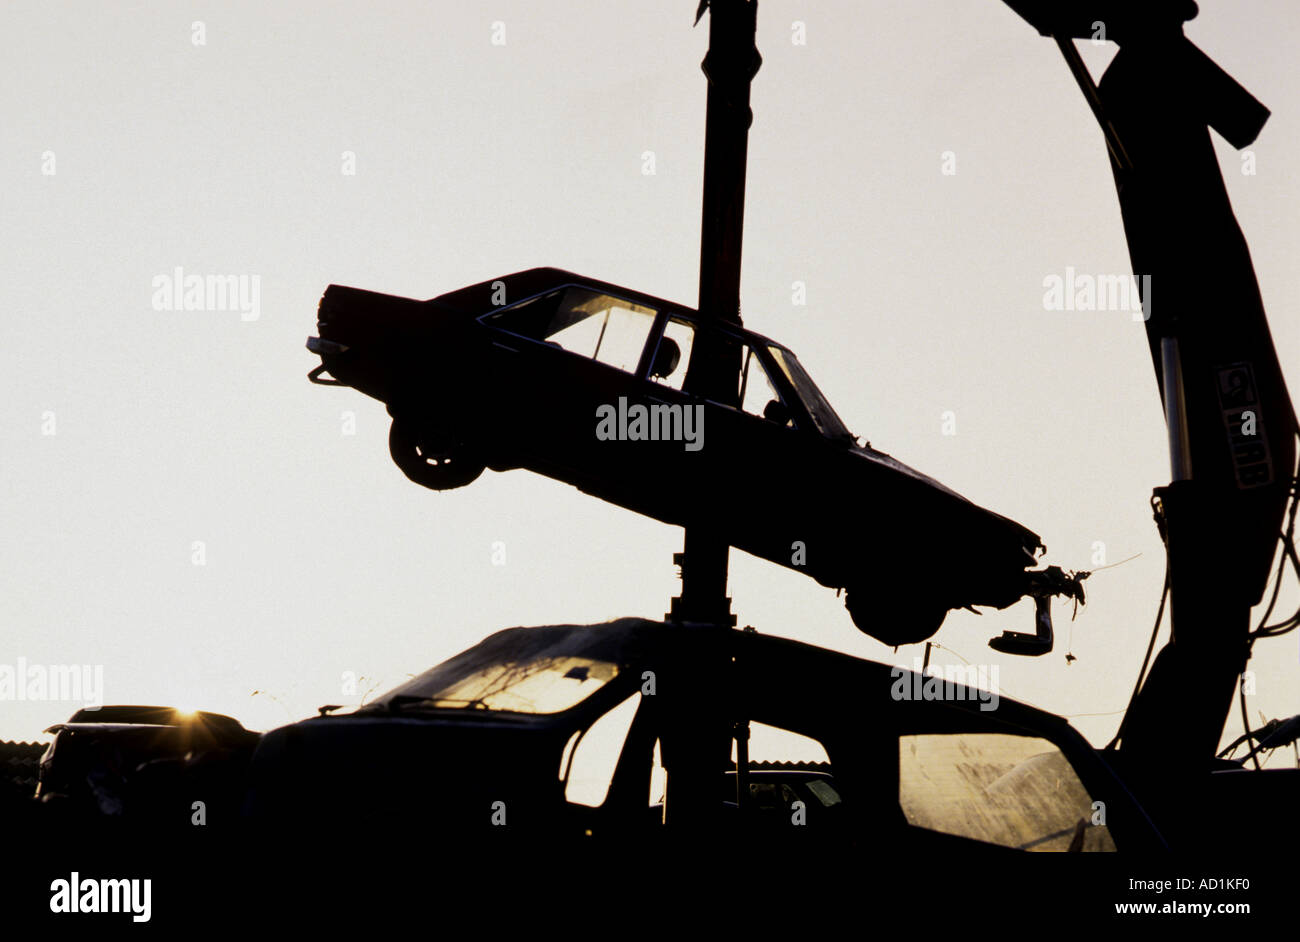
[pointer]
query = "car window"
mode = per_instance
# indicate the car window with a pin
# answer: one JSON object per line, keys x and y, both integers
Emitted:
{"x": 673, "y": 352}
{"x": 773, "y": 744}
{"x": 658, "y": 782}
{"x": 828, "y": 423}
{"x": 1015, "y": 791}
{"x": 588, "y": 770}
{"x": 623, "y": 337}
{"x": 581, "y": 336}
{"x": 602, "y": 327}
{"x": 758, "y": 395}
{"x": 790, "y": 779}
{"x": 542, "y": 684}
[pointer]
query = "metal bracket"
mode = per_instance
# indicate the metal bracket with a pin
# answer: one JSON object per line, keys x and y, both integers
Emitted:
{"x": 1025, "y": 644}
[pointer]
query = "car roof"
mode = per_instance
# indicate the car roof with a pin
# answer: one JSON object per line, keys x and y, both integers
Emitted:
{"x": 624, "y": 642}
{"x": 119, "y": 715}
{"x": 109, "y": 727}
{"x": 531, "y": 282}
{"x": 813, "y": 679}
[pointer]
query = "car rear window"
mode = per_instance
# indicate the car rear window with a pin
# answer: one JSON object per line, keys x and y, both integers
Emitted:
{"x": 600, "y": 326}
{"x": 1015, "y": 791}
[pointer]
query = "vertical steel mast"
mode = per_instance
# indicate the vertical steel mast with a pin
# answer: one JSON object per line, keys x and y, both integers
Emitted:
{"x": 730, "y": 66}
{"x": 699, "y": 723}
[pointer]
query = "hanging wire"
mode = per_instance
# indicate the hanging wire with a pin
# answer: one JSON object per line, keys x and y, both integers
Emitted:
{"x": 1157, "y": 510}
{"x": 1265, "y": 630}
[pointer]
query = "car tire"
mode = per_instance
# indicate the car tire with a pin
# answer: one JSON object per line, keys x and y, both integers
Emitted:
{"x": 430, "y": 459}
{"x": 894, "y": 618}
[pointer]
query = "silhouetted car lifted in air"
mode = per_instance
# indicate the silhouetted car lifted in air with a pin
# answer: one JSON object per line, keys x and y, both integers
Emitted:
{"x": 585, "y": 382}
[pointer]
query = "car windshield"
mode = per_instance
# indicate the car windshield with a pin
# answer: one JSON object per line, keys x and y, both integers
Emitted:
{"x": 828, "y": 423}
{"x": 544, "y": 684}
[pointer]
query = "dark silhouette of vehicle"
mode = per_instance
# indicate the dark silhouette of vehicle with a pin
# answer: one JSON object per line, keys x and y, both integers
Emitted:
{"x": 485, "y": 745}
{"x": 126, "y": 761}
{"x": 584, "y": 382}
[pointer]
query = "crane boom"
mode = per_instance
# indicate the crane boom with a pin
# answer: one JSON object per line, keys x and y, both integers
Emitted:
{"x": 1231, "y": 424}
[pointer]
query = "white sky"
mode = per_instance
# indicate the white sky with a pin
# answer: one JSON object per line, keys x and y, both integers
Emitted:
{"x": 473, "y": 160}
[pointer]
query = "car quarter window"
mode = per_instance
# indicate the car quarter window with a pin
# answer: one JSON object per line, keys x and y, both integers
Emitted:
{"x": 1014, "y": 791}
{"x": 758, "y": 395}
{"x": 602, "y": 327}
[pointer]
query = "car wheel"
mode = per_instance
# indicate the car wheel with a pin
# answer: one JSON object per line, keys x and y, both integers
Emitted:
{"x": 430, "y": 459}
{"x": 894, "y": 618}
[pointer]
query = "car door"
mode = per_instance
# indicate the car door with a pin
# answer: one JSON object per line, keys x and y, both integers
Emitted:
{"x": 554, "y": 362}
{"x": 941, "y": 764}
{"x": 755, "y": 473}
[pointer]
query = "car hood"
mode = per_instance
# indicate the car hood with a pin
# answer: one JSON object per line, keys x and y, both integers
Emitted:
{"x": 946, "y": 498}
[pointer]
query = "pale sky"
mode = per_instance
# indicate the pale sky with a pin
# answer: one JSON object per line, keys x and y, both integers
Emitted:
{"x": 472, "y": 159}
